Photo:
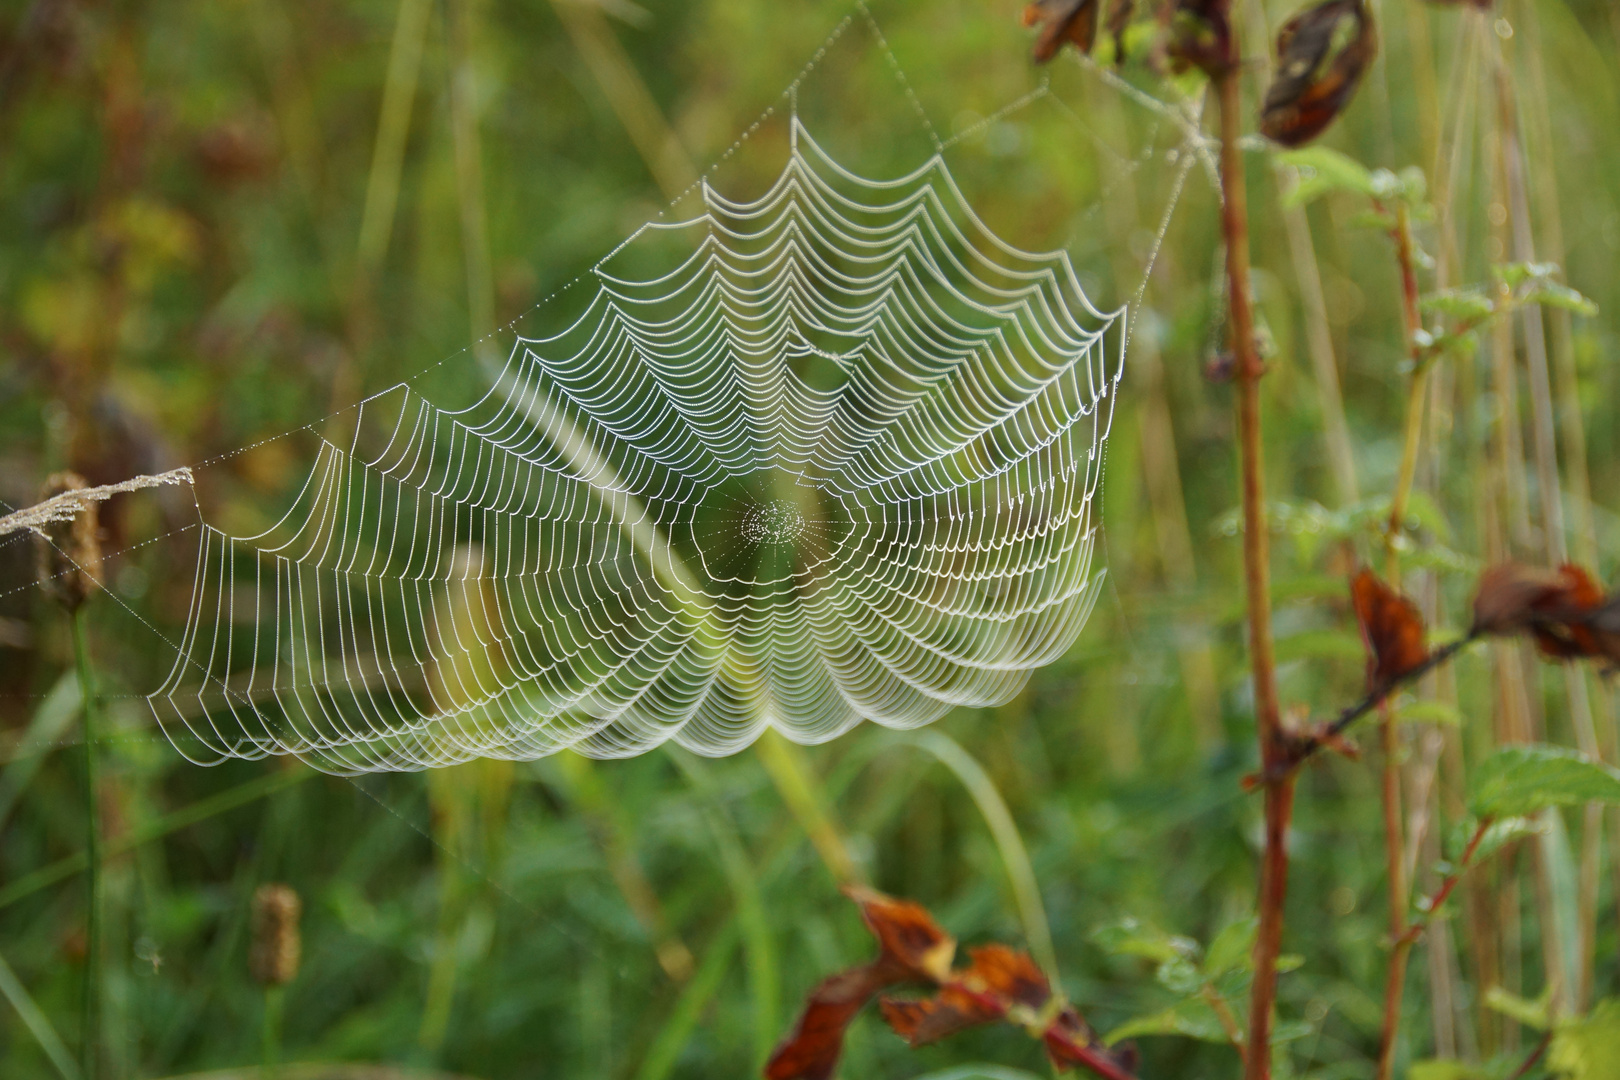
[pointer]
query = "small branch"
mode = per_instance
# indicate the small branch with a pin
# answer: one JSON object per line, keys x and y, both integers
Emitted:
{"x": 1229, "y": 1023}
{"x": 1449, "y": 883}
{"x": 1065, "y": 1046}
{"x": 1535, "y": 1056}
{"x": 1304, "y": 747}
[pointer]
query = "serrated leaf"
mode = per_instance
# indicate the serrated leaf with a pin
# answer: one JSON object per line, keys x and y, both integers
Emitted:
{"x": 1532, "y": 1014}
{"x": 1192, "y": 1018}
{"x": 1555, "y": 294}
{"x": 1468, "y": 304}
{"x": 1501, "y": 833}
{"x": 1517, "y": 781}
{"x": 1589, "y": 1048}
{"x": 1131, "y": 937}
{"x": 1232, "y": 948}
{"x": 1515, "y": 274}
{"x": 1322, "y": 170}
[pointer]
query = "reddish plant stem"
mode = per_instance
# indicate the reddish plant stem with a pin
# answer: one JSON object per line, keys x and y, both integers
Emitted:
{"x": 1394, "y": 836}
{"x": 1064, "y": 1047}
{"x": 1449, "y": 883}
{"x": 1274, "y": 748}
{"x": 1395, "y": 849}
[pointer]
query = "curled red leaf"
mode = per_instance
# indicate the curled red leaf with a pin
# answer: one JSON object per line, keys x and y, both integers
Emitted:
{"x": 1391, "y": 627}
{"x": 1062, "y": 22}
{"x": 811, "y": 1050}
{"x": 1322, "y": 52}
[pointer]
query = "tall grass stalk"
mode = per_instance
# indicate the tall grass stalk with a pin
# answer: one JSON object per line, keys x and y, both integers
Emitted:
{"x": 90, "y": 1014}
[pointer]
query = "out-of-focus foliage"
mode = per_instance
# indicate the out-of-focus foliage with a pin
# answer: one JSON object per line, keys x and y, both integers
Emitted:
{"x": 183, "y": 187}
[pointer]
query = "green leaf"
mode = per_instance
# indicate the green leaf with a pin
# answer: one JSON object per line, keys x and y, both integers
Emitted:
{"x": 1131, "y": 937}
{"x": 1322, "y": 171}
{"x": 1192, "y": 1018}
{"x": 1520, "y": 780}
{"x": 1180, "y": 975}
{"x": 1589, "y": 1048}
{"x": 1469, "y": 304}
{"x": 1532, "y": 1014}
{"x": 1503, "y": 832}
{"x": 1517, "y": 273}
{"x": 1558, "y": 295}
{"x": 1289, "y": 1030}
{"x": 1231, "y": 948}
{"x": 1430, "y": 712}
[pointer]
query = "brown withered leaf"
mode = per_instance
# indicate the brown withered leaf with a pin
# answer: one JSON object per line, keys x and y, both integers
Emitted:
{"x": 955, "y": 1008}
{"x": 1007, "y": 974}
{"x": 907, "y": 933}
{"x": 913, "y": 948}
{"x": 1322, "y": 53}
{"x": 997, "y": 980}
{"x": 1563, "y": 609}
{"x": 1200, "y": 36}
{"x": 1391, "y": 627}
{"x": 810, "y": 1052}
{"x": 1062, "y": 21}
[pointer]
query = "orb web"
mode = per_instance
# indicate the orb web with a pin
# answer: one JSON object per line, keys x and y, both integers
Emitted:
{"x": 837, "y": 462}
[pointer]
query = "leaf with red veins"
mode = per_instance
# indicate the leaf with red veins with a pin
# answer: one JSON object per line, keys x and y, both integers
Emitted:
{"x": 1391, "y": 627}
{"x": 1063, "y": 21}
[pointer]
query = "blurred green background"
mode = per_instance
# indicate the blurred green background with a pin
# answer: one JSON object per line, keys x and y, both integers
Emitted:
{"x": 206, "y": 242}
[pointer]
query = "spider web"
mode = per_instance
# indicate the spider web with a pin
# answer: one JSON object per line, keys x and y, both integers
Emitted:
{"x": 837, "y": 458}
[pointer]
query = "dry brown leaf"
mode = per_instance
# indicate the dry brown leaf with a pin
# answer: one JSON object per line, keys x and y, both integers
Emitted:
{"x": 1391, "y": 627}
{"x": 1062, "y": 21}
{"x": 1322, "y": 53}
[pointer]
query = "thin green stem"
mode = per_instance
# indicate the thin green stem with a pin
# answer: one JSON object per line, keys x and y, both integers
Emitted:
{"x": 90, "y": 1027}
{"x": 274, "y": 998}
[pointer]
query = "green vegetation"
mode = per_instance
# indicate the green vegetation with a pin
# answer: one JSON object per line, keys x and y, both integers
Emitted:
{"x": 224, "y": 222}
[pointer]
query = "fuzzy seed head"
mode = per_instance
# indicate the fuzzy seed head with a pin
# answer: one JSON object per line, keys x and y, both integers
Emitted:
{"x": 274, "y": 954}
